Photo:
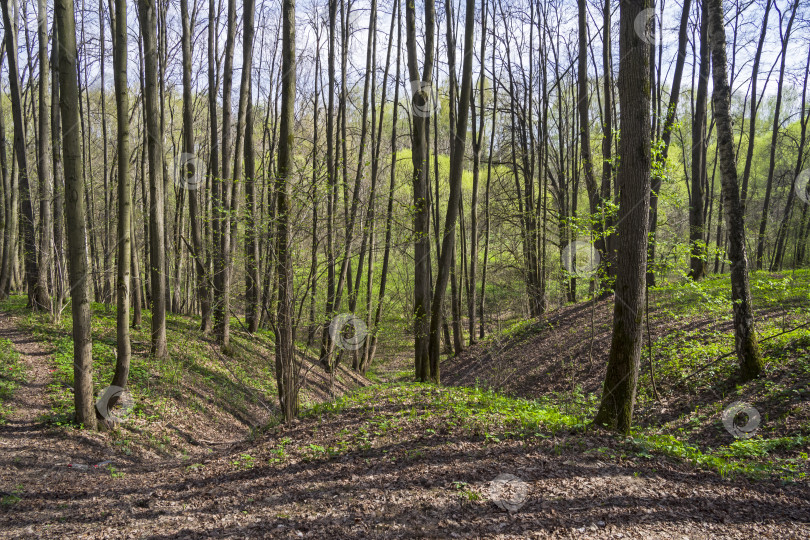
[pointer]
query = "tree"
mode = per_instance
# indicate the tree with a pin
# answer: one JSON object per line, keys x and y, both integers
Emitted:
{"x": 421, "y": 87}
{"x": 456, "y": 168}
{"x": 619, "y": 392}
{"x": 745, "y": 337}
{"x": 124, "y": 278}
{"x": 44, "y": 151}
{"x": 157, "y": 246}
{"x": 766, "y": 206}
{"x": 697, "y": 264}
{"x": 75, "y": 216}
{"x": 286, "y": 375}
{"x": 35, "y": 281}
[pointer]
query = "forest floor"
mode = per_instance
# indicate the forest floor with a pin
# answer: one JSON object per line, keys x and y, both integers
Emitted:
{"x": 397, "y": 460}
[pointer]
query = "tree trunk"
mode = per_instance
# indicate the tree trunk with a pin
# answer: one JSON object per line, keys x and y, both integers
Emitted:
{"x": 456, "y": 169}
{"x": 74, "y": 212}
{"x": 251, "y": 239}
{"x": 421, "y": 87}
{"x": 766, "y": 204}
{"x": 745, "y": 337}
{"x": 44, "y": 151}
{"x": 286, "y": 375}
{"x": 752, "y": 123}
{"x": 697, "y": 264}
{"x": 124, "y": 277}
{"x": 37, "y": 285}
{"x": 157, "y": 258}
{"x": 619, "y": 393}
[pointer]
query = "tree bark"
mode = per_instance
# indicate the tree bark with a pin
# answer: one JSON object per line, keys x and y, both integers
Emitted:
{"x": 37, "y": 285}
{"x": 157, "y": 258}
{"x": 697, "y": 263}
{"x": 286, "y": 375}
{"x": 75, "y": 216}
{"x": 766, "y": 204}
{"x": 745, "y": 338}
{"x": 619, "y": 393}
{"x": 124, "y": 277}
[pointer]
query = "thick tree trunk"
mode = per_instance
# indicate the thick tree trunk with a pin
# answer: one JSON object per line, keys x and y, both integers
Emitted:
{"x": 74, "y": 212}
{"x": 745, "y": 337}
{"x": 619, "y": 393}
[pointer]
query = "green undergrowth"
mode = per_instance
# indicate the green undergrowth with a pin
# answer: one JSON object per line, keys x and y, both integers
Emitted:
{"x": 12, "y": 374}
{"x": 195, "y": 385}
{"x": 382, "y": 412}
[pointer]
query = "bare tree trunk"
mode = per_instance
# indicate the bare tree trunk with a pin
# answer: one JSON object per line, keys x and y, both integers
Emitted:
{"x": 619, "y": 393}
{"x": 157, "y": 259}
{"x": 286, "y": 375}
{"x": 372, "y": 342}
{"x": 74, "y": 210}
{"x": 456, "y": 168}
{"x": 37, "y": 285}
{"x": 745, "y": 336}
{"x": 44, "y": 154}
{"x": 124, "y": 244}
{"x": 10, "y": 200}
{"x": 213, "y": 165}
{"x": 60, "y": 272}
{"x": 421, "y": 86}
{"x": 697, "y": 264}
{"x": 222, "y": 197}
{"x": 251, "y": 239}
{"x": 752, "y": 123}
{"x": 766, "y": 204}
{"x": 193, "y": 174}
{"x": 781, "y": 237}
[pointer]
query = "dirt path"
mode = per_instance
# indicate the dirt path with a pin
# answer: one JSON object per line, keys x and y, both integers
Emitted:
{"x": 32, "y": 452}
{"x": 410, "y": 481}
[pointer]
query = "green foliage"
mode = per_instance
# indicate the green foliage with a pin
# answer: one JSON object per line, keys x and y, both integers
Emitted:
{"x": 12, "y": 375}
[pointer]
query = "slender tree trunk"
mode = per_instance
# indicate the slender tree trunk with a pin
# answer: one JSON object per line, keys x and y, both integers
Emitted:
{"x": 745, "y": 336}
{"x": 213, "y": 165}
{"x": 619, "y": 393}
{"x": 666, "y": 136}
{"x": 124, "y": 278}
{"x": 157, "y": 259}
{"x": 37, "y": 285}
{"x": 74, "y": 210}
{"x": 752, "y": 123}
{"x": 697, "y": 264}
{"x": 222, "y": 231}
{"x": 286, "y": 375}
{"x": 44, "y": 155}
{"x": 421, "y": 87}
{"x": 251, "y": 239}
{"x": 766, "y": 204}
{"x": 60, "y": 272}
{"x": 456, "y": 169}
{"x": 781, "y": 237}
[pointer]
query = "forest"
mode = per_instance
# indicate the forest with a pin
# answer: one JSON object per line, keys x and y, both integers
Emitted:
{"x": 373, "y": 268}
